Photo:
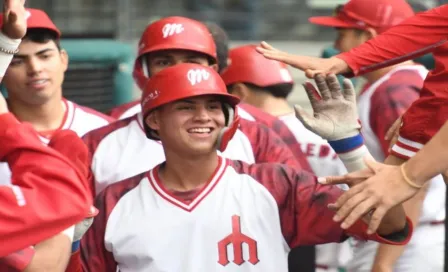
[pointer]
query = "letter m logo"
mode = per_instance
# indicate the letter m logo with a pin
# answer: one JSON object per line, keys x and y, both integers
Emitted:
{"x": 237, "y": 239}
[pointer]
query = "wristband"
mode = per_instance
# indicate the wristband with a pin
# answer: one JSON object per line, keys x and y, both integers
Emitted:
{"x": 347, "y": 144}
{"x": 408, "y": 180}
{"x": 76, "y": 245}
{"x": 8, "y": 47}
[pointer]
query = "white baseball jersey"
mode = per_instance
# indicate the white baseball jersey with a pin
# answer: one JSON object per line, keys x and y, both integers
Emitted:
{"x": 122, "y": 150}
{"x": 246, "y": 218}
{"x": 77, "y": 118}
{"x": 391, "y": 94}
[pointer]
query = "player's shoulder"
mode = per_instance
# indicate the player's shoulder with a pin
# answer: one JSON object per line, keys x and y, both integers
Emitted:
{"x": 97, "y": 135}
{"x": 89, "y": 113}
{"x": 117, "y": 112}
{"x": 402, "y": 78}
{"x": 268, "y": 172}
{"x": 113, "y": 193}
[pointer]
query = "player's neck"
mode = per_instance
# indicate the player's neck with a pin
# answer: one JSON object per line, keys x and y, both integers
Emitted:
{"x": 47, "y": 116}
{"x": 273, "y": 105}
{"x": 187, "y": 173}
{"x": 375, "y": 75}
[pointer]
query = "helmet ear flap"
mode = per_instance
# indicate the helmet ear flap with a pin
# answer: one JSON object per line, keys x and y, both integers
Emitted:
{"x": 232, "y": 124}
{"x": 144, "y": 64}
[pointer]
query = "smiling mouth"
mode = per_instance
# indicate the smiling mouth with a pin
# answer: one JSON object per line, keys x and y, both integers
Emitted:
{"x": 207, "y": 130}
{"x": 37, "y": 82}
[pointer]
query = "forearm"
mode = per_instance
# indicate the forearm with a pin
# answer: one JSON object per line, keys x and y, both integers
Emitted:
{"x": 387, "y": 255}
{"x": 431, "y": 160}
{"x": 51, "y": 255}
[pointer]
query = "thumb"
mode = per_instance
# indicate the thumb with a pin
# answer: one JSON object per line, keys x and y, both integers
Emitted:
{"x": 307, "y": 120}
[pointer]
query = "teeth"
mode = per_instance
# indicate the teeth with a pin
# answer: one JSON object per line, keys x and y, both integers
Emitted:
{"x": 200, "y": 130}
{"x": 39, "y": 81}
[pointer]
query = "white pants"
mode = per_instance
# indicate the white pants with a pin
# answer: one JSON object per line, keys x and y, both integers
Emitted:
{"x": 424, "y": 253}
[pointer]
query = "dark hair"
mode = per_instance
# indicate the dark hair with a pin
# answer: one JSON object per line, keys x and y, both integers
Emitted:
{"x": 42, "y": 35}
{"x": 282, "y": 90}
{"x": 222, "y": 44}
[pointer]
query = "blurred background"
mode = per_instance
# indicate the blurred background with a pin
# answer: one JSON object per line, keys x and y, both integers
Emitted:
{"x": 101, "y": 36}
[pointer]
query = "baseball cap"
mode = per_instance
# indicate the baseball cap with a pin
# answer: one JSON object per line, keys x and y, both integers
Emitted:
{"x": 37, "y": 18}
{"x": 362, "y": 14}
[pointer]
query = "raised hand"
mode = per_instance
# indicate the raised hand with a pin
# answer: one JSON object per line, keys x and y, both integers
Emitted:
{"x": 335, "y": 114}
{"x": 14, "y": 19}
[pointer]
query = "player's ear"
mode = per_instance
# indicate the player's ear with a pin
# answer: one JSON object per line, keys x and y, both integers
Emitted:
{"x": 240, "y": 90}
{"x": 152, "y": 120}
{"x": 64, "y": 59}
{"x": 215, "y": 67}
{"x": 371, "y": 33}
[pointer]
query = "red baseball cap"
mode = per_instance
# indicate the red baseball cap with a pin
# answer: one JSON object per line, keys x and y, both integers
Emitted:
{"x": 37, "y": 18}
{"x": 362, "y": 14}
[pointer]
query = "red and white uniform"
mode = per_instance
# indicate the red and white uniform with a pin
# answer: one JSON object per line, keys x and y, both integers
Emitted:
{"x": 126, "y": 110}
{"x": 244, "y": 219}
{"x": 134, "y": 153}
{"x": 425, "y": 117}
{"x": 77, "y": 118}
{"x": 379, "y": 105}
{"x": 41, "y": 201}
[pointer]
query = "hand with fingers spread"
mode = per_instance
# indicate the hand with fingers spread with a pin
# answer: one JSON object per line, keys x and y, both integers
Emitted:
{"x": 310, "y": 65}
{"x": 335, "y": 114}
{"x": 367, "y": 193}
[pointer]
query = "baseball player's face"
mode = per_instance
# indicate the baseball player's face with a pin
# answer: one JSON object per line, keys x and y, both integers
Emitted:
{"x": 191, "y": 125}
{"x": 158, "y": 61}
{"x": 36, "y": 73}
{"x": 349, "y": 38}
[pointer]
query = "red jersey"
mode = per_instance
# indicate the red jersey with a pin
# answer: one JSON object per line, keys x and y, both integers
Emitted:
{"x": 47, "y": 193}
{"x": 418, "y": 35}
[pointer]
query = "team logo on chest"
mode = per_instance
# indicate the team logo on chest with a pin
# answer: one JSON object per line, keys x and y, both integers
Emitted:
{"x": 237, "y": 239}
{"x": 196, "y": 76}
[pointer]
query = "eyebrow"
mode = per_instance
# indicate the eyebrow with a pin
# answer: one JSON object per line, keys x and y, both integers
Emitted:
{"x": 19, "y": 56}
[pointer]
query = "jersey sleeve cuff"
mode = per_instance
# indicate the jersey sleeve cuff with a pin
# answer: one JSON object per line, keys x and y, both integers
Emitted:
{"x": 19, "y": 260}
{"x": 400, "y": 238}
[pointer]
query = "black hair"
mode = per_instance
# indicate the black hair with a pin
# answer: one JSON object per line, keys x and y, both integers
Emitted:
{"x": 282, "y": 90}
{"x": 42, "y": 35}
{"x": 221, "y": 40}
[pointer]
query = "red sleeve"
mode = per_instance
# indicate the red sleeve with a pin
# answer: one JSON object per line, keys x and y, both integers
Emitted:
{"x": 17, "y": 261}
{"x": 282, "y": 130}
{"x": 267, "y": 146}
{"x": 53, "y": 189}
{"x": 93, "y": 255}
{"x": 414, "y": 37}
{"x": 302, "y": 201}
{"x": 390, "y": 101}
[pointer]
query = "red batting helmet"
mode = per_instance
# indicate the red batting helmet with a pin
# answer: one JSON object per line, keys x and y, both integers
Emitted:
{"x": 172, "y": 33}
{"x": 249, "y": 66}
{"x": 189, "y": 80}
{"x": 362, "y": 14}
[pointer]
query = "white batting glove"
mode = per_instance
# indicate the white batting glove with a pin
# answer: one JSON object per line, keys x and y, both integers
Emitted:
{"x": 335, "y": 118}
{"x": 335, "y": 113}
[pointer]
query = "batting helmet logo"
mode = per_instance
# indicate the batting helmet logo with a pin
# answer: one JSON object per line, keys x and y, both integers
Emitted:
{"x": 197, "y": 75}
{"x": 171, "y": 29}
